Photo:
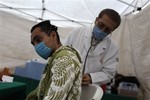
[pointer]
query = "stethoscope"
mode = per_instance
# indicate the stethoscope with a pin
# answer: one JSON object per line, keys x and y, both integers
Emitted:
{"x": 94, "y": 44}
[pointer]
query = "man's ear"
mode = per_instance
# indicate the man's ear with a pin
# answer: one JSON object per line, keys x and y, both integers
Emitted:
{"x": 53, "y": 34}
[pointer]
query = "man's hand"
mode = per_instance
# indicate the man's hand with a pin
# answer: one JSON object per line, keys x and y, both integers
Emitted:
{"x": 86, "y": 79}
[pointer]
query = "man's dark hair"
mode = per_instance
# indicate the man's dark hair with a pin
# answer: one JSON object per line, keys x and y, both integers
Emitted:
{"x": 46, "y": 27}
{"x": 112, "y": 14}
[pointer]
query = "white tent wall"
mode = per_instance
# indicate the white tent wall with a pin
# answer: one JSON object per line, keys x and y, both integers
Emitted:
{"x": 133, "y": 38}
{"x": 14, "y": 40}
{"x": 15, "y": 46}
{"x": 121, "y": 37}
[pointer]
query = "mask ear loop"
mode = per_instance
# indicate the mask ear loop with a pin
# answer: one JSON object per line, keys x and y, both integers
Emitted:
{"x": 109, "y": 36}
{"x": 48, "y": 33}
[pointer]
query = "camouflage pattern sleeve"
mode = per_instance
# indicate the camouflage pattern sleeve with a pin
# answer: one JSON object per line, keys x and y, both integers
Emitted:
{"x": 66, "y": 78}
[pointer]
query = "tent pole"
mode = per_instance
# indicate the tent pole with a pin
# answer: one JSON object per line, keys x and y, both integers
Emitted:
{"x": 128, "y": 3}
{"x": 43, "y": 8}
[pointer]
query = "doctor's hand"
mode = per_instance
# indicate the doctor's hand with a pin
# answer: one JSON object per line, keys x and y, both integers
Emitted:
{"x": 86, "y": 79}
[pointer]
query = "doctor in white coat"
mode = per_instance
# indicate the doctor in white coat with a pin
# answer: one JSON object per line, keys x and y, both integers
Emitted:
{"x": 99, "y": 54}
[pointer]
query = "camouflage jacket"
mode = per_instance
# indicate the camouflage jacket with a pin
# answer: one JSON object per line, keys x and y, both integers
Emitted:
{"x": 61, "y": 79}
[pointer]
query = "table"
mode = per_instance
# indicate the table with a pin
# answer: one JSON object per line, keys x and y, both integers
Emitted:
{"x": 12, "y": 91}
{"x": 31, "y": 84}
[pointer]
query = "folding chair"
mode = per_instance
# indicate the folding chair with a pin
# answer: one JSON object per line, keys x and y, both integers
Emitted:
{"x": 91, "y": 92}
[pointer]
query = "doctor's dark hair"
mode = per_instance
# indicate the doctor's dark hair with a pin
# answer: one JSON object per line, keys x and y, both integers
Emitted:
{"x": 46, "y": 27}
{"x": 112, "y": 14}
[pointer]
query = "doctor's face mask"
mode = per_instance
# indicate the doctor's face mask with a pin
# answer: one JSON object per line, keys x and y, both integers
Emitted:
{"x": 98, "y": 34}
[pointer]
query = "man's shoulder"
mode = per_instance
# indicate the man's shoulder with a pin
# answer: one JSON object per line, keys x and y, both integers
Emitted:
{"x": 68, "y": 51}
{"x": 63, "y": 50}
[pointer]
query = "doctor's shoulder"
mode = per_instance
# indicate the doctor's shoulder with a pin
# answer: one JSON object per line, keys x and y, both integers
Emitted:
{"x": 113, "y": 46}
{"x": 79, "y": 29}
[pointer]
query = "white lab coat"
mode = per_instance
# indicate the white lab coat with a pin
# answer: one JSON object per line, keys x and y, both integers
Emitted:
{"x": 102, "y": 61}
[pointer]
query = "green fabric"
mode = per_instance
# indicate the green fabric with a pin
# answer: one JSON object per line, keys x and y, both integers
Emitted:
{"x": 31, "y": 84}
{"x": 61, "y": 79}
{"x": 12, "y": 91}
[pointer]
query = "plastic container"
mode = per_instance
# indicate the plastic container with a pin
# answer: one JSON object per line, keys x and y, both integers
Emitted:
{"x": 128, "y": 89}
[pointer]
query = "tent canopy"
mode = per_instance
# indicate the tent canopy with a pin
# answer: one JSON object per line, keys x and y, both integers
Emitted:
{"x": 69, "y": 12}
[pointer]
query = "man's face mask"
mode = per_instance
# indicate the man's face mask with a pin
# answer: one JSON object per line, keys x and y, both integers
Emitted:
{"x": 98, "y": 34}
{"x": 43, "y": 50}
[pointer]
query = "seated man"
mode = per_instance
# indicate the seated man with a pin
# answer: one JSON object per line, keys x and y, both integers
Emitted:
{"x": 61, "y": 79}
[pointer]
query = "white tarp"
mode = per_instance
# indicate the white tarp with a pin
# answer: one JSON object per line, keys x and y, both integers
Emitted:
{"x": 133, "y": 40}
{"x": 15, "y": 46}
{"x": 68, "y": 12}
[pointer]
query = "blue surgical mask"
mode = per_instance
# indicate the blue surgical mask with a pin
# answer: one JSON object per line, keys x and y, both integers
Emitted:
{"x": 98, "y": 34}
{"x": 43, "y": 50}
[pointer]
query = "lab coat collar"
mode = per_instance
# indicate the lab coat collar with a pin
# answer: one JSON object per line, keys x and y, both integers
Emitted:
{"x": 100, "y": 48}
